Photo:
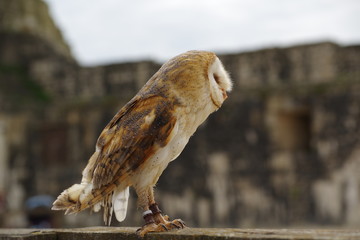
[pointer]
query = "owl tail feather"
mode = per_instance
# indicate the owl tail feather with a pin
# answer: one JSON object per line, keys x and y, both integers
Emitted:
{"x": 82, "y": 196}
{"x": 69, "y": 199}
{"x": 117, "y": 202}
{"x": 120, "y": 203}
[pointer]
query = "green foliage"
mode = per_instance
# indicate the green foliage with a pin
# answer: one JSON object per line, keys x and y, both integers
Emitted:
{"x": 18, "y": 88}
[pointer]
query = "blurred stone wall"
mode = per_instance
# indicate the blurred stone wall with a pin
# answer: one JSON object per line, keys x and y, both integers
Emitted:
{"x": 284, "y": 150}
{"x": 32, "y": 17}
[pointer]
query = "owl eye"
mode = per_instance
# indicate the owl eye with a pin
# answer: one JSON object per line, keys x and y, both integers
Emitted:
{"x": 217, "y": 78}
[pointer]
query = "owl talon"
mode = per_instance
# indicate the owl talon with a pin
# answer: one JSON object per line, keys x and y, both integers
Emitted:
{"x": 160, "y": 227}
{"x": 164, "y": 219}
{"x": 182, "y": 223}
{"x": 164, "y": 227}
{"x": 151, "y": 227}
{"x": 176, "y": 226}
{"x": 138, "y": 231}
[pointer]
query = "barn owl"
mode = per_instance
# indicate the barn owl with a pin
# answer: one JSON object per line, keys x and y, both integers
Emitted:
{"x": 149, "y": 132}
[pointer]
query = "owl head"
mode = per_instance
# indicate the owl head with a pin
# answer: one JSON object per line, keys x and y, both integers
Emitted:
{"x": 197, "y": 76}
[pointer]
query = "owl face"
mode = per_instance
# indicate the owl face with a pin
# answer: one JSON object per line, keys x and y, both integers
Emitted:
{"x": 219, "y": 82}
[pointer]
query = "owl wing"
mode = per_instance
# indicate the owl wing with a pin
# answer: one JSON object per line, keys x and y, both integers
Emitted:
{"x": 135, "y": 133}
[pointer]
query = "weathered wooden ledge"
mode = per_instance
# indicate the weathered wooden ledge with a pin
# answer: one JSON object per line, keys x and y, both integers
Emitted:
{"x": 119, "y": 233}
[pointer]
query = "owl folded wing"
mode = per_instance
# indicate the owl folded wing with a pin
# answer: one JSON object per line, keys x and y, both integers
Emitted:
{"x": 135, "y": 133}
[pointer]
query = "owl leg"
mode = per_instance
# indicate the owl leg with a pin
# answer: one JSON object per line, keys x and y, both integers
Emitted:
{"x": 164, "y": 219}
{"x": 154, "y": 220}
{"x": 146, "y": 197}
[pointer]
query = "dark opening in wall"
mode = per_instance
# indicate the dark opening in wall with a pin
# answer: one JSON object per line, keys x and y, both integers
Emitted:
{"x": 293, "y": 130}
{"x": 289, "y": 124}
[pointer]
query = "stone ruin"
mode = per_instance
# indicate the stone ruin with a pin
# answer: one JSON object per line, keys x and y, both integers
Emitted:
{"x": 283, "y": 151}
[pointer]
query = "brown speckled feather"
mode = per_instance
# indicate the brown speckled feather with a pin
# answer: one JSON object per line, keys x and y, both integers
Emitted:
{"x": 131, "y": 138}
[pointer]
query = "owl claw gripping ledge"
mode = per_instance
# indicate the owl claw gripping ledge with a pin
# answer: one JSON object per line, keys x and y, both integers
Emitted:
{"x": 149, "y": 132}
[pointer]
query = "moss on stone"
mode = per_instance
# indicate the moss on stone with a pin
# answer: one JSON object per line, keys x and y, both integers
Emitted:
{"x": 19, "y": 88}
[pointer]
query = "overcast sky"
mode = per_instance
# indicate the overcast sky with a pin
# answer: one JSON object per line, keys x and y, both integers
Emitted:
{"x": 107, "y": 31}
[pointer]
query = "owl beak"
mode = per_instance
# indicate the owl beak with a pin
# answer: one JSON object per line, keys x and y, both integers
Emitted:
{"x": 224, "y": 94}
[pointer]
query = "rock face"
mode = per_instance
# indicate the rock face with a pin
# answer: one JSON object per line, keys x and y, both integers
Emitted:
{"x": 282, "y": 151}
{"x": 32, "y": 17}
